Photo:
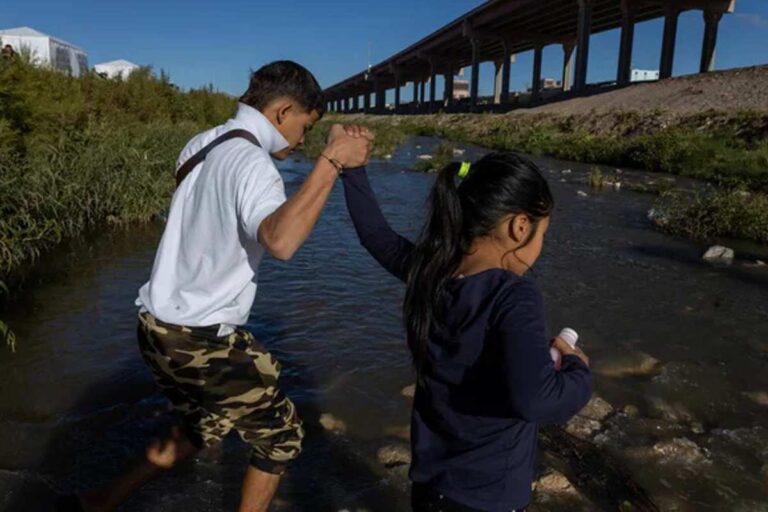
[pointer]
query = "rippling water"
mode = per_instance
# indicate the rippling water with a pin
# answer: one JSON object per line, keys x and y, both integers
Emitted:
{"x": 76, "y": 402}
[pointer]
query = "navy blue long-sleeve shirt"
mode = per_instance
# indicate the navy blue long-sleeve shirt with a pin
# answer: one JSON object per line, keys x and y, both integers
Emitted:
{"x": 488, "y": 380}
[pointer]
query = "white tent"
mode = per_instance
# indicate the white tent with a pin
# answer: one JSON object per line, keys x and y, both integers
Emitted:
{"x": 116, "y": 68}
{"x": 46, "y": 50}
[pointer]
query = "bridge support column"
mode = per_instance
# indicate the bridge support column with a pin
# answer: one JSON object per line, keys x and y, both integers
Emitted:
{"x": 432, "y": 86}
{"x": 397, "y": 92}
{"x": 415, "y": 92}
{"x": 567, "y": 78}
{"x": 506, "y": 70}
{"x": 448, "y": 94}
{"x": 668, "y": 43}
{"x": 475, "y": 74}
{"x": 356, "y": 103}
{"x": 536, "y": 79}
{"x": 367, "y": 101}
{"x": 380, "y": 97}
{"x": 627, "y": 41}
{"x": 582, "y": 42}
{"x": 711, "y": 24}
{"x": 498, "y": 68}
{"x": 422, "y": 89}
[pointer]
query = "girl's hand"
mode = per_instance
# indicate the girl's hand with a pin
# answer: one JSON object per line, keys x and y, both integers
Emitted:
{"x": 565, "y": 349}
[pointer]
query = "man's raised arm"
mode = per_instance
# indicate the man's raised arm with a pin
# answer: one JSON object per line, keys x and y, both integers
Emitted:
{"x": 287, "y": 228}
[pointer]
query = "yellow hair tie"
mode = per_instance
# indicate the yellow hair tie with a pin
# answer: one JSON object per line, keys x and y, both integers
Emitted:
{"x": 464, "y": 170}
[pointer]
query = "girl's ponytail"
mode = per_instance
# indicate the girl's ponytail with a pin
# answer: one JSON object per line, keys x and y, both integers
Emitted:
{"x": 435, "y": 259}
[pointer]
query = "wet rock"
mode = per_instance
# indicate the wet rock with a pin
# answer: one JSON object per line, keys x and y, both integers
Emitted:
{"x": 631, "y": 411}
{"x": 332, "y": 423}
{"x": 394, "y": 455}
{"x": 680, "y": 450}
{"x": 759, "y": 397}
{"x": 630, "y": 364}
{"x": 583, "y": 428}
{"x": 409, "y": 391}
{"x": 581, "y": 193}
{"x": 387, "y": 157}
{"x": 756, "y": 264}
{"x": 617, "y": 185}
{"x": 597, "y": 409}
{"x": 397, "y": 477}
{"x": 719, "y": 255}
{"x": 553, "y": 491}
{"x": 458, "y": 152}
{"x": 554, "y": 482}
{"x": 424, "y": 157}
{"x": 566, "y": 171}
{"x": 675, "y": 413}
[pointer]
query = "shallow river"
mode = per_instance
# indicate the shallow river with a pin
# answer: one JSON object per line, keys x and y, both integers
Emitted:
{"x": 680, "y": 345}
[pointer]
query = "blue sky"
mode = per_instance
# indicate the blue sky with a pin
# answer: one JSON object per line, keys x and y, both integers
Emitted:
{"x": 219, "y": 42}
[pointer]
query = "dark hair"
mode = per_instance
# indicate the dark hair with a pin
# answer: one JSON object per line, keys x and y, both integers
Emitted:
{"x": 284, "y": 78}
{"x": 499, "y": 184}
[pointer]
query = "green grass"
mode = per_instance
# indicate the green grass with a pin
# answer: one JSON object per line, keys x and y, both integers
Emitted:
{"x": 76, "y": 153}
{"x": 716, "y": 213}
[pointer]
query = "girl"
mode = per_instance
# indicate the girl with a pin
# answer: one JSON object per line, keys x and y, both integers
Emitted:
{"x": 475, "y": 327}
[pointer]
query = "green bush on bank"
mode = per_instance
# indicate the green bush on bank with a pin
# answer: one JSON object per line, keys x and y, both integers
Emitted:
{"x": 716, "y": 213}
{"x": 79, "y": 152}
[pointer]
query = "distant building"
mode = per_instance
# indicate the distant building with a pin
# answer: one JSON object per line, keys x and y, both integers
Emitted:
{"x": 46, "y": 50}
{"x": 116, "y": 68}
{"x": 644, "y": 75}
{"x": 550, "y": 83}
{"x": 460, "y": 89}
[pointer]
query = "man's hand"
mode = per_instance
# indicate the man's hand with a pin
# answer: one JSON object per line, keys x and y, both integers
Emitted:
{"x": 565, "y": 349}
{"x": 349, "y": 145}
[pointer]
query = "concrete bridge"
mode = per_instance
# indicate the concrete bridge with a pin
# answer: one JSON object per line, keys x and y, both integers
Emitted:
{"x": 499, "y": 29}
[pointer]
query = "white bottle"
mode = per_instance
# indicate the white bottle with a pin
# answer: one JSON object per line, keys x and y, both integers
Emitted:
{"x": 569, "y": 336}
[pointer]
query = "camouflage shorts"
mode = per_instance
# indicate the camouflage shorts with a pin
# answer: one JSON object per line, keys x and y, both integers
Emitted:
{"x": 217, "y": 384}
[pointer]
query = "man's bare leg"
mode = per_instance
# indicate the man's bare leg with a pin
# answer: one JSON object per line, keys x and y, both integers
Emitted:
{"x": 258, "y": 490}
{"x": 160, "y": 456}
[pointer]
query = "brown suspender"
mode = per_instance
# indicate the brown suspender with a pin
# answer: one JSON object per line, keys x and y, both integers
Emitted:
{"x": 198, "y": 157}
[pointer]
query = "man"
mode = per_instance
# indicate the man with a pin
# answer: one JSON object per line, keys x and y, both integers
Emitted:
{"x": 228, "y": 210}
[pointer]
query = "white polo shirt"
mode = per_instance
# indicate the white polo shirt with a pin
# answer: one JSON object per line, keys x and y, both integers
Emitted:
{"x": 206, "y": 266}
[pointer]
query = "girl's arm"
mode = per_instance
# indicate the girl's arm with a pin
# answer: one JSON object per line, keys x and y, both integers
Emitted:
{"x": 537, "y": 392}
{"x": 385, "y": 245}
